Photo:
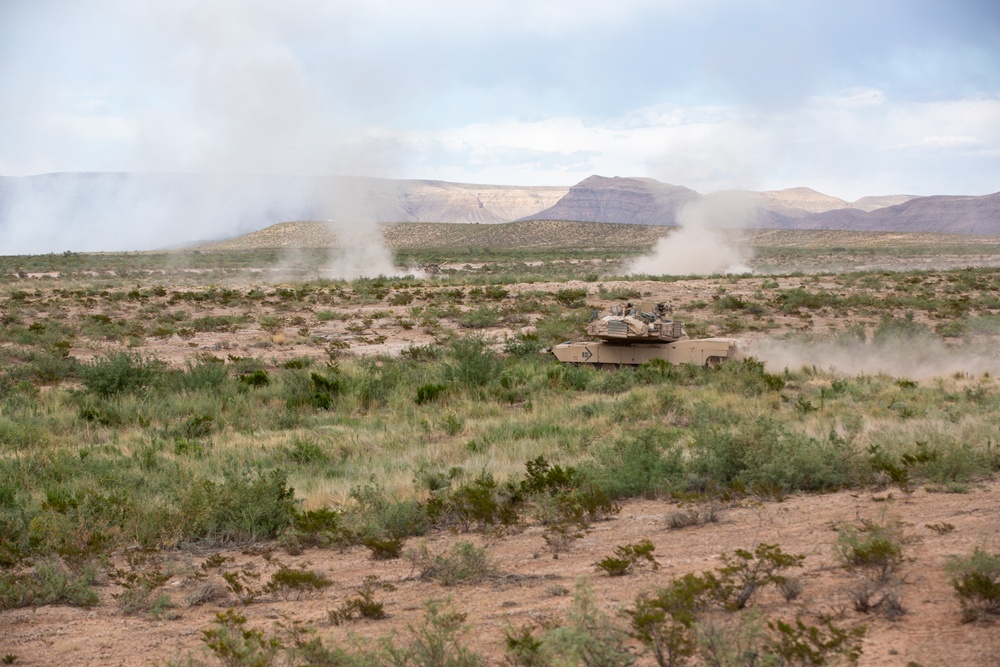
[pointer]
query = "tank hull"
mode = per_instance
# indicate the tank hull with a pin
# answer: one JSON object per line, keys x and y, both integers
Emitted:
{"x": 703, "y": 352}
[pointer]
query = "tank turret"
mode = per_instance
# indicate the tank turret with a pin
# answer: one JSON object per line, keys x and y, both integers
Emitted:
{"x": 640, "y": 322}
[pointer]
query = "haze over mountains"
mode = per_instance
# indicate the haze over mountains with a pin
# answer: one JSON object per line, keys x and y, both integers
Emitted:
{"x": 129, "y": 211}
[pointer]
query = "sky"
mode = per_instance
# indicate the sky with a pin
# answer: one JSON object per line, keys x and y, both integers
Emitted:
{"x": 851, "y": 98}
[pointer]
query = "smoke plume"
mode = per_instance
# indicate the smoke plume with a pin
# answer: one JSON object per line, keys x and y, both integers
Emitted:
{"x": 701, "y": 245}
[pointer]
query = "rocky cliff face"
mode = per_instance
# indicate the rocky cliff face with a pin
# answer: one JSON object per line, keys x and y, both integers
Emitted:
{"x": 439, "y": 201}
{"x": 634, "y": 200}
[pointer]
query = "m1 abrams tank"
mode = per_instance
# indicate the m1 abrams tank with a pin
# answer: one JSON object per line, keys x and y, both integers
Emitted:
{"x": 633, "y": 334}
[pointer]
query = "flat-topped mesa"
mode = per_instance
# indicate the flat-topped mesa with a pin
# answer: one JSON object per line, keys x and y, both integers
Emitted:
{"x": 639, "y": 322}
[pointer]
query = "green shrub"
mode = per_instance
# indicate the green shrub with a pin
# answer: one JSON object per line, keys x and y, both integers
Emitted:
{"x": 141, "y": 583}
{"x": 324, "y": 391}
{"x": 363, "y": 604}
{"x": 523, "y": 345}
{"x": 256, "y": 378}
{"x": 744, "y": 573}
{"x": 665, "y": 621}
{"x": 482, "y": 503}
{"x": 893, "y": 330}
{"x": 873, "y": 548}
{"x": 589, "y": 637}
{"x": 235, "y": 645}
{"x": 765, "y": 454}
{"x": 296, "y": 582}
{"x": 429, "y": 392}
{"x": 120, "y": 373}
{"x": 542, "y": 477}
{"x": 483, "y": 317}
{"x": 384, "y": 548}
{"x": 319, "y": 528}
{"x": 572, "y": 297}
{"x": 976, "y": 580}
{"x": 473, "y": 363}
{"x": 801, "y": 644}
{"x": 627, "y": 557}
{"x": 305, "y": 452}
{"x": 49, "y": 583}
{"x": 200, "y": 376}
{"x": 464, "y": 563}
{"x": 434, "y": 642}
{"x": 640, "y": 465}
{"x": 245, "y": 506}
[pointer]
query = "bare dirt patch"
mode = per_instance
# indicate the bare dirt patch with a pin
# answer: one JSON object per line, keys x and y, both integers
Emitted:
{"x": 534, "y": 586}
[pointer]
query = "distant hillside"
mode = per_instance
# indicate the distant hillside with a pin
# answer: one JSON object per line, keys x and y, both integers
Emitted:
{"x": 940, "y": 214}
{"x": 647, "y": 201}
{"x": 641, "y": 201}
{"x": 540, "y": 234}
{"x": 129, "y": 211}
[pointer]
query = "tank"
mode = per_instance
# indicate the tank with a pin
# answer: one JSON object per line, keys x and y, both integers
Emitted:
{"x": 636, "y": 333}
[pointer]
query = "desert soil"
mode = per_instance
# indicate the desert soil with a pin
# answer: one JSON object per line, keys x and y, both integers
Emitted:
{"x": 533, "y": 586}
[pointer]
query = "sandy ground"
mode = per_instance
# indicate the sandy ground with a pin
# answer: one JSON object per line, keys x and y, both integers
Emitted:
{"x": 534, "y": 586}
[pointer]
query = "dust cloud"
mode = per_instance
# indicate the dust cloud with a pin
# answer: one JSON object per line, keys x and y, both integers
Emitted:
{"x": 701, "y": 245}
{"x": 249, "y": 137}
{"x": 919, "y": 359}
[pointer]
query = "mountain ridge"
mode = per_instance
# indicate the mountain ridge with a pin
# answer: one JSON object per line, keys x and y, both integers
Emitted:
{"x": 128, "y": 211}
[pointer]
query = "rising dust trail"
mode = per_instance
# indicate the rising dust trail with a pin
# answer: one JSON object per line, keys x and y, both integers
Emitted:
{"x": 915, "y": 359}
{"x": 699, "y": 246}
{"x": 355, "y": 209}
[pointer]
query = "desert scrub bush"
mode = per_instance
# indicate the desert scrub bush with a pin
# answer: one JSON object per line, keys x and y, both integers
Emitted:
{"x": 201, "y": 375}
{"x": 746, "y": 376}
{"x": 363, "y": 604}
{"x": 641, "y": 465}
{"x": 429, "y": 392}
{"x": 976, "y": 580}
{"x": 119, "y": 373}
{"x": 801, "y": 644}
{"x": 873, "y": 548}
{"x": 617, "y": 293}
{"x": 463, "y": 563}
{"x": 236, "y": 645}
{"x": 295, "y": 583}
{"x": 49, "y": 582}
{"x": 434, "y": 642}
{"x": 472, "y": 363}
{"x": 381, "y": 522}
{"x": 708, "y": 512}
{"x": 384, "y": 548}
{"x": 322, "y": 527}
{"x": 750, "y": 639}
{"x": 744, "y": 573}
{"x": 569, "y": 376}
{"x": 482, "y": 502}
{"x": 869, "y": 597}
{"x": 589, "y": 637}
{"x": 894, "y": 330}
{"x": 482, "y": 317}
{"x": 523, "y": 344}
{"x": 242, "y": 583}
{"x": 629, "y": 556}
{"x": 665, "y": 620}
{"x": 764, "y": 453}
{"x": 247, "y": 505}
{"x": 141, "y": 580}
